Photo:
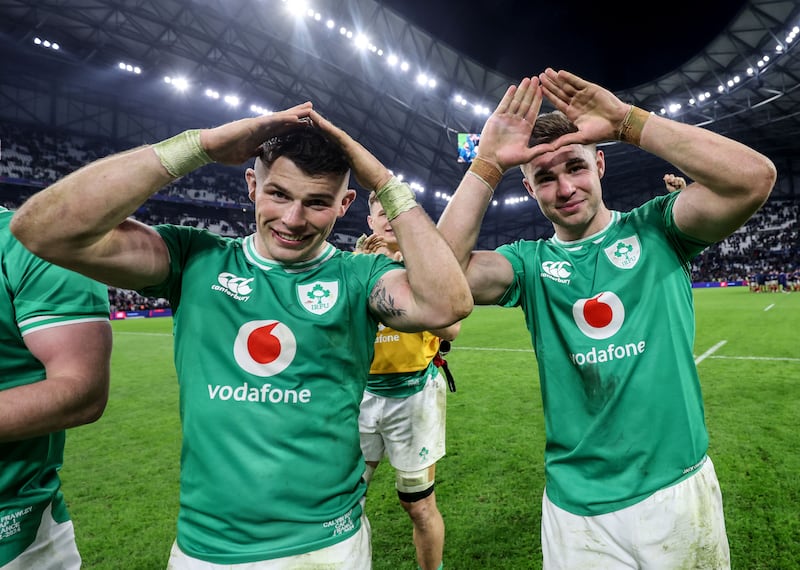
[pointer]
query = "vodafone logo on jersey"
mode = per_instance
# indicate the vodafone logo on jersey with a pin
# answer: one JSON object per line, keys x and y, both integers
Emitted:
{"x": 264, "y": 348}
{"x": 599, "y": 317}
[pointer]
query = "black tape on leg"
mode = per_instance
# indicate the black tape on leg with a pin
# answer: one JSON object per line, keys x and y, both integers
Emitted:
{"x": 414, "y": 497}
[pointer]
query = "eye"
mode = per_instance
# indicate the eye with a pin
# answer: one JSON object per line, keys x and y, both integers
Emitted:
{"x": 277, "y": 195}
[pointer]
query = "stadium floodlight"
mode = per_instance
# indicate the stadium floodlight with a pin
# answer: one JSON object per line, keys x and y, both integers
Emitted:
{"x": 179, "y": 83}
{"x": 232, "y": 100}
{"x": 46, "y": 43}
{"x": 361, "y": 41}
{"x": 297, "y": 8}
{"x": 259, "y": 110}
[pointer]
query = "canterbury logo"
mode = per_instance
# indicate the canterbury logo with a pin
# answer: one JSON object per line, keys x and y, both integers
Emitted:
{"x": 559, "y": 271}
{"x": 238, "y": 285}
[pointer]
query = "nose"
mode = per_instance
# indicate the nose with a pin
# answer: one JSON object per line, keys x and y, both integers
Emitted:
{"x": 293, "y": 215}
{"x": 565, "y": 186}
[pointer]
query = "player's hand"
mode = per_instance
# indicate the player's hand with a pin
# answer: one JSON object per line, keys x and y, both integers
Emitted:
{"x": 368, "y": 170}
{"x": 507, "y": 132}
{"x": 674, "y": 183}
{"x": 376, "y": 244}
{"x": 596, "y": 111}
{"x": 236, "y": 142}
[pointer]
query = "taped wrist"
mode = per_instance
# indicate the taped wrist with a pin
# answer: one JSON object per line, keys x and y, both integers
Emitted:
{"x": 182, "y": 153}
{"x": 630, "y": 130}
{"x": 487, "y": 172}
{"x": 396, "y": 197}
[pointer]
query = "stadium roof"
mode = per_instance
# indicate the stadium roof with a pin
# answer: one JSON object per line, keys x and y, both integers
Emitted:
{"x": 260, "y": 52}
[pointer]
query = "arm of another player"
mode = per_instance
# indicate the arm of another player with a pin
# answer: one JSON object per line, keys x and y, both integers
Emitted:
{"x": 431, "y": 292}
{"x": 76, "y": 358}
{"x": 504, "y": 144}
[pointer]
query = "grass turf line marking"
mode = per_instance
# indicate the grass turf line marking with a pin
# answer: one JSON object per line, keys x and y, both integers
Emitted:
{"x": 530, "y": 350}
{"x": 769, "y": 307}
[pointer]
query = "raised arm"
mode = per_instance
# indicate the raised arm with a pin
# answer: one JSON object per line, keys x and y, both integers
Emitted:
{"x": 82, "y": 221}
{"x": 504, "y": 144}
{"x": 431, "y": 292}
{"x": 75, "y": 391}
{"x": 731, "y": 180}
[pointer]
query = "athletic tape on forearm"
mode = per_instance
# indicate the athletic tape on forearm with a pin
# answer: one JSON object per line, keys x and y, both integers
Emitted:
{"x": 630, "y": 131}
{"x": 182, "y": 153}
{"x": 487, "y": 172}
{"x": 396, "y": 197}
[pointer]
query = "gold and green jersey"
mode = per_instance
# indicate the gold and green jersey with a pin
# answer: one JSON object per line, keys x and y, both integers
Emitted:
{"x": 611, "y": 319}
{"x": 272, "y": 360}
{"x": 402, "y": 363}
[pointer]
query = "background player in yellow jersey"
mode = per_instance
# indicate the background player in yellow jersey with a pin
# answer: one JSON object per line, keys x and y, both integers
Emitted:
{"x": 403, "y": 410}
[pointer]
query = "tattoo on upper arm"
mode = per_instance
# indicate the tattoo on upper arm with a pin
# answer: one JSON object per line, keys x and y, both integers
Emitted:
{"x": 383, "y": 301}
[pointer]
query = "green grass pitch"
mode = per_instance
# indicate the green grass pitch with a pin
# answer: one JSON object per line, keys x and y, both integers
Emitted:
{"x": 121, "y": 473}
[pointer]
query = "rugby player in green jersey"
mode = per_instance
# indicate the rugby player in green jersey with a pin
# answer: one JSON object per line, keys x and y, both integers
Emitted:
{"x": 608, "y": 303}
{"x": 55, "y": 352}
{"x": 274, "y": 331}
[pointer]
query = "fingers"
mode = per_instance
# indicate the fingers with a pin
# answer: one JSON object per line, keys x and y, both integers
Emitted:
{"x": 532, "y": 102}
{"x": 519, "y": 96}
{"x": 505, "y": 102}
{"x": 327, "y": 126}
{"x": 518, "y": 99}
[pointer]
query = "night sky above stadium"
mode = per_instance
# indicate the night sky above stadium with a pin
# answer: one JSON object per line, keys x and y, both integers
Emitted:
{"x": 619, "y": 44}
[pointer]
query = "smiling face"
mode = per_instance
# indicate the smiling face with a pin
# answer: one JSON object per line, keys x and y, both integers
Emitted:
{"x": 295, "y": 212}
{"x": 566, "y": 184}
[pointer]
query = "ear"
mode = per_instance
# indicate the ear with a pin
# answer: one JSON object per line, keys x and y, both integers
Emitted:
{"x": 529, "y": 188}
{"x": 600, "y": 161}
{"x": 369, "y": 223}
{"x": 348, "y": 198}
{"x": 250, "y": 178}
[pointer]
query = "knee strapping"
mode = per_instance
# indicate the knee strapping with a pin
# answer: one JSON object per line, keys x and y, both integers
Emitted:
{"x": 416, "y": 484}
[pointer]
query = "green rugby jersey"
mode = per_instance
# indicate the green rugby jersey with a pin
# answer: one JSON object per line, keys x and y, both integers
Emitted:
{"x": 611, "y": 319}
{"x": 36, "y": 295}
{"x": 272, "y": 361}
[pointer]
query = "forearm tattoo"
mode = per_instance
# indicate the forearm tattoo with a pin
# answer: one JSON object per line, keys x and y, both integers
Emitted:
{"x": 383, "y": 301}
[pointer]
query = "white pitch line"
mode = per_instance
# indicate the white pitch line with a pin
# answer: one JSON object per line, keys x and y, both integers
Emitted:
{"x": 707, "y": 354}
{"x": 143, "y": 333}
{"x": 769, "y": 307}
{"x": 788, "y": 359}
{"x": 710, "y": 351}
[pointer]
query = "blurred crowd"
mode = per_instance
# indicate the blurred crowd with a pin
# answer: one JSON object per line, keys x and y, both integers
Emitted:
{"x": 765, "y": 252}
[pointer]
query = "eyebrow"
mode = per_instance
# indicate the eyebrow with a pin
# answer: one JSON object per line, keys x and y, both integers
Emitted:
{"x": 567, "y": 163}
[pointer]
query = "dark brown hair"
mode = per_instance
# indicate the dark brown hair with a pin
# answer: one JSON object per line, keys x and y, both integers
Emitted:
{"x": 309, "y": 149}
{"x": 550, "y": 126}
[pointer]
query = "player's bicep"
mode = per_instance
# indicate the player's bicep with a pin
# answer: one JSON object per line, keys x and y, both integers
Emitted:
{"x": 708, "y": 216}
{"x": 392, "y": 301}
{"x": 131, "y": 256}
{"x": 78, "y": 350}
{"x": 489, "y": 275}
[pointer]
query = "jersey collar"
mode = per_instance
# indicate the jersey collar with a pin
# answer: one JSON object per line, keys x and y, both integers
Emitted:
{"x": 594, "y": 238}
{"x": 259, "y": 260}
